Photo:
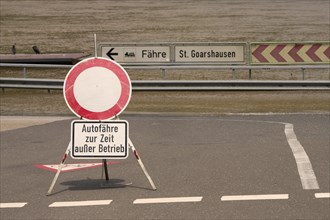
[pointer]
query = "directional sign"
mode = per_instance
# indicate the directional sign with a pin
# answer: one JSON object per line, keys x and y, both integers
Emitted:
{"x": 99, "y": 140}
{"x": 171, "y": 53}
{"x": 290, "y": 53}
{"x": 97, "y": 88}
{"x": 210, "y": 53}
{"x": 136, "y": 54}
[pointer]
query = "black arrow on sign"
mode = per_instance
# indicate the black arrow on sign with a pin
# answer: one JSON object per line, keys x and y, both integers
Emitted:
{"x": 110, "y": 54}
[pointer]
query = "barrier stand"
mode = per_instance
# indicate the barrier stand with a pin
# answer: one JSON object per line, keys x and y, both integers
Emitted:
{"x": 59, "y": 169}
{"x": 67, "y": 152}
{"x": 74, "y": 87}
{"x": 104, "y": 167}
{"x": 131, "y": 146}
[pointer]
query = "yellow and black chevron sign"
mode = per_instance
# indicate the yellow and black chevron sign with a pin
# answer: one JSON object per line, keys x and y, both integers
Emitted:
{"x": 290, "y": 53}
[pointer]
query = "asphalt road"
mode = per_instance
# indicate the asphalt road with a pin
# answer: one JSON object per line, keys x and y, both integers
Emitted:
{"x": 230, "y": 167}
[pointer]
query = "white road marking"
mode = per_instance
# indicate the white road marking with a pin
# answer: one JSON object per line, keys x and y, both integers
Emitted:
{"x": 255, "y": 197}
{"x": 322, "y": 195}
{"x": 80, "y": 203}
{"x": 305, "y": 169}
{"x": 168, "y": 200}
{"x": 13, "y": 205}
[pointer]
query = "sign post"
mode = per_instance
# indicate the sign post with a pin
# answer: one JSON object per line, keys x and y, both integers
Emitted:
{"x": 97, "y": 90}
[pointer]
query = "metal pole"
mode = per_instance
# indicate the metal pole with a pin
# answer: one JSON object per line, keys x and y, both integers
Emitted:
{"x": 25, "y": 72}
{"x": 163, "y": 73}
{"x": 250, "y": 73}
{"x": 105, "y": 165}
{"x": 303, "y": 73}
{"x": 95, "y": 48}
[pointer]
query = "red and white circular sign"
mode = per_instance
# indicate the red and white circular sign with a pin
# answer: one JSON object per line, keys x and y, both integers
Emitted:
{"x": 97, "y": 89}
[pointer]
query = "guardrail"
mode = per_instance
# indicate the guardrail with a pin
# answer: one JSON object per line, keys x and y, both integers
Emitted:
{"x": 163, "y": 68}
{"x": 180, "y": 85}
{"x": 177, "y": 66}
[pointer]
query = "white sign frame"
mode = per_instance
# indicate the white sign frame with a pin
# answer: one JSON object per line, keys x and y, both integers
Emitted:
{"x": 98, "y": 139}
{"x": 97, "y": 89}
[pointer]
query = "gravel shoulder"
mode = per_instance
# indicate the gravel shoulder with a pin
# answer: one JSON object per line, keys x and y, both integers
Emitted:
{"x": 14, "y": 122}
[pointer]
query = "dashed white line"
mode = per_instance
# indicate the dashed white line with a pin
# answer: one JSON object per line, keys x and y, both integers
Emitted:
{"x": 80, "y": 203}
{"x": 305, "y": 169}
{"x": 165, "y": 200}
{"x": 168, "y": 200}
{"x": 255, "y": 197}
{"x": 322, "y": 195}
{"x": 13, "y": 205}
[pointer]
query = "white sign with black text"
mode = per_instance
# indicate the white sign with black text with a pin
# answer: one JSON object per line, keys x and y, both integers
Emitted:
{"x": 231, "y": 53}
{"x": 99, "y": 139}
{"x": 136, "y": 53}
{"x": 188, "y": 53}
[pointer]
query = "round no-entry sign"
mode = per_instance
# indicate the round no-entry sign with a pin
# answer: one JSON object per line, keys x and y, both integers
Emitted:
{"x": 97, "y": 89}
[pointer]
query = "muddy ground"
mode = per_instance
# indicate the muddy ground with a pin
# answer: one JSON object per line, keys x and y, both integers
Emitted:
{"x": 69, "y": 25}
